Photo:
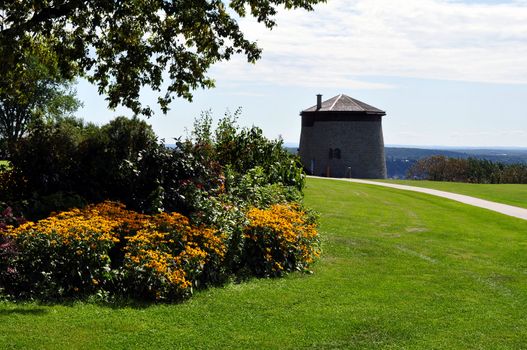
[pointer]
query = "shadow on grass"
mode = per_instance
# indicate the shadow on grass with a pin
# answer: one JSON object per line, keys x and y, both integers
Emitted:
{"x": 39, "y": 306}
{"x": 31, "y": 312}
{"x": 116, "y": 302}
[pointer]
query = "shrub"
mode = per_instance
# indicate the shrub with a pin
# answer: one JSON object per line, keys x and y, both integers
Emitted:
{"x": 8, "y": 249}
{"x": 47, "y": 159}
{"x": 280, "y": 239}
{"x": 243, "y": 149}
{"x": 222, "y": 203}
{"x": 105, "y": 249}
{"x": 63, "y": 164}
{"x": 254, "y": 189}
{"x": 190, "y": 175}
{"x": 63, "y": 255}
{"x": 119, "y": 161}
{"x": 8, "y": 218}
{"x": 123, "y": 162}
{"x": 8, "y": 252}
{"x": 441, "y": 168}
{"x": 166, "y": 259}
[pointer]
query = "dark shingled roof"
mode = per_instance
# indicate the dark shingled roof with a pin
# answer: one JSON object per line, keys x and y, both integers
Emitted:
{"x": 344, "y": 103}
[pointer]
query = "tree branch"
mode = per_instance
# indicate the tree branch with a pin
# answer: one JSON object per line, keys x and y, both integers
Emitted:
{"x": 43, "y": 16}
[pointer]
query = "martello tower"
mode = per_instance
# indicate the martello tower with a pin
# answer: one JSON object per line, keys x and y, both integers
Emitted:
{"x": 342, "y": 137}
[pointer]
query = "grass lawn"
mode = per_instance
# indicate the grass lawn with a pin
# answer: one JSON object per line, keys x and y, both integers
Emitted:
{"x": 502, "y": 193}
{"x": 399, "y": 270}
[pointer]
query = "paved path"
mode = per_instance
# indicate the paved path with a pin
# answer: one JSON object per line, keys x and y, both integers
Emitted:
{"x": 498, "y": 207}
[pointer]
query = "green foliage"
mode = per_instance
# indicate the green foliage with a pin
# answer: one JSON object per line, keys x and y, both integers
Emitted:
{"x": 255, "y": 189}
{"x": 472, "y": 170}
{"x": 31, "y": 89}
{"x": 47, "y": 158}
{"x": 235, "y": 186}
{"x": 111, "y": 251}
{"x": 121, "y": 160}
{"x": 124, "y": 161}
{"x": 124, "y": 46}
{"x": 243, "y": 149}
{"x": 229, "y": 165}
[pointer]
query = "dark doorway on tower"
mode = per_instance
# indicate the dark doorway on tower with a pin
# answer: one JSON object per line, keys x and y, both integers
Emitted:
{"x": 334, "y": 153}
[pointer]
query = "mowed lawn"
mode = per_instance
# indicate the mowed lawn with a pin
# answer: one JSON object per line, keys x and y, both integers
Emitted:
{"x": 503, "y": 193}
{"x": 399, "y": 270}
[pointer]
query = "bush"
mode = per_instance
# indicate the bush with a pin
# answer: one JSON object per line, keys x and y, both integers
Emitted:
{"x": 8, "y": 218}
{"x": 122, "y": 162}
{"x": 8, "y": 249}
{"x": 472, "y": 170}
{"x": 280, "y": 239}
{"x": 221, "y": 204}
{"x": 47, "y": 159}
{"x": 165, "y": 260}
{"x": 106, "y": 249}
{"x": 243, "y": 149}
{"x": 8, "y": 253}
{"x": 81, "y": 162}
{"x": 255, "y": 189}
{"x": 63, "y": 255}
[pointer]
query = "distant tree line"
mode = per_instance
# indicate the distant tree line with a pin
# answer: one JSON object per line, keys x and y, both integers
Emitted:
{"x": 472, "y": 170}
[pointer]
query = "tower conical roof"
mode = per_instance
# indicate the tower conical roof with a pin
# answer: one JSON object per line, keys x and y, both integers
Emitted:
{"x": 344, "y": 103}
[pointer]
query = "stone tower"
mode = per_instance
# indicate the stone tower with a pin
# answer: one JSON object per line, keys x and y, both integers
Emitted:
{"x": 342, "y": 137}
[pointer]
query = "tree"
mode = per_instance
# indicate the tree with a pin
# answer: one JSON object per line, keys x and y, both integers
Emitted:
{"x": 32, "y": 89}
{"x": 123, "y": 46}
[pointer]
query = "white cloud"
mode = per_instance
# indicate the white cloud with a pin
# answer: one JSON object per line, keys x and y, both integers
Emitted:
{"x": 344, "y": 42}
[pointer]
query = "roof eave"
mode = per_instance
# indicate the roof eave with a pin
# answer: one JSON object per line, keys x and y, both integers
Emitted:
{"x": 381, "y": 113}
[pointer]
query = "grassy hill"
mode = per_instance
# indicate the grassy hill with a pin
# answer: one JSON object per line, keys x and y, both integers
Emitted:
{"x": 399, "y": 270}
{"x": 503, "y": 193}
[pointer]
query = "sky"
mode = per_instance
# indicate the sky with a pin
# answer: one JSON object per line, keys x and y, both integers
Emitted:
{"x": 447, "y": 73}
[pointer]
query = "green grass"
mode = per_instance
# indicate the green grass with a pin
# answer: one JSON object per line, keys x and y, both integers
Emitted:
{"x": 502, "y": 193}
{"x": 399, "y": 270}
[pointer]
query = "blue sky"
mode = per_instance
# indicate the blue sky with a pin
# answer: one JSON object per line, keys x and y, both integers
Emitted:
{"x": 450, "y": 73}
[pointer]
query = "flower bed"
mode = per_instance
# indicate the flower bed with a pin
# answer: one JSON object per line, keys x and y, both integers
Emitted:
{"x": 110, "y": 250}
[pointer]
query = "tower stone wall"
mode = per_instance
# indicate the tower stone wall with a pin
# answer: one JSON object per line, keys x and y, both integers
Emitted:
{"x": 343, "y": 144}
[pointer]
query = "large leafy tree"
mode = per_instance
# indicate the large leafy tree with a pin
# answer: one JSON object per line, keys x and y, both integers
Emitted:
{"x": 32, "y": 89}
{"x": 124, "y": 45}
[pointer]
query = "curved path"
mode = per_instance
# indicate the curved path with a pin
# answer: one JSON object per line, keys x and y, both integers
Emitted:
{"x": 497, "y": 207}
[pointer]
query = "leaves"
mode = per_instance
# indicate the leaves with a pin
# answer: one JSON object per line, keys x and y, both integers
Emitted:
{"x": 123, "y": 46}
{"x": 32, "y": 87}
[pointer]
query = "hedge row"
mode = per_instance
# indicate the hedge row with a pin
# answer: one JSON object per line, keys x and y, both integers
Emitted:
{"x": 471, "y": 170}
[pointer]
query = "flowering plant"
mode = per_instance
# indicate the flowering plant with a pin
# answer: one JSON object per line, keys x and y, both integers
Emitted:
{"x": 165, "y": 259}
{"x": 280, "y": 239}
{"x": 106, "y": 248}
{"x": 63, "y": 255}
